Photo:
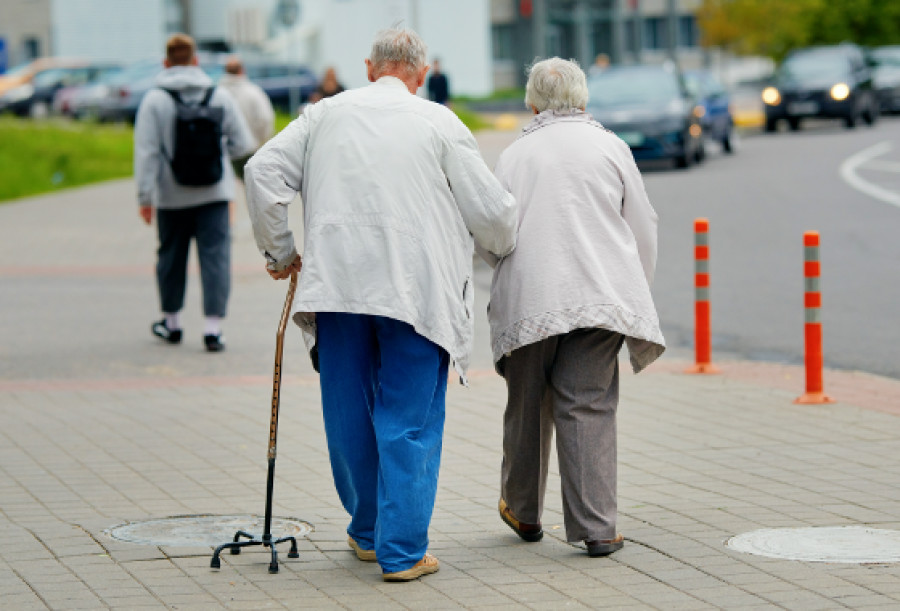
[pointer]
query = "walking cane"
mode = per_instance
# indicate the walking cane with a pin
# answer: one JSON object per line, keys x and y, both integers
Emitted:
{"x": 266, "y": 541}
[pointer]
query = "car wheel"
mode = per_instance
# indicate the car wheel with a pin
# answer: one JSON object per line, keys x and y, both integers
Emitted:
{"x": 684, "y": 160}
{"x": 794, "y": 123}
{"x": 700, "y": 152}
{"x": 851, "y": 119}
{"x": 871, "y": 113}
{"x": 771, "y": 125}
{"x": 727, "y": 144}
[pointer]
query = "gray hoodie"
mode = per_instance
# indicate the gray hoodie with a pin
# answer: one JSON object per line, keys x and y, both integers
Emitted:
{"x": 154, "y": 140}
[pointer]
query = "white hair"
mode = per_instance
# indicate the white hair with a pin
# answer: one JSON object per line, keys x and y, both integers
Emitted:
{"x": 556, "y": 84}
{"x": 398, "y": 48}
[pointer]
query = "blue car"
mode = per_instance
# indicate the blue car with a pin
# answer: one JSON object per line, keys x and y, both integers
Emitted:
{"x": 649, "y": 108}
{"x": 712, "y": 97}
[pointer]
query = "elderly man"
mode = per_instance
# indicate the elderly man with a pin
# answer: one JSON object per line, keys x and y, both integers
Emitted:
{"x": 394, "y": 190}
{"x": 575, "y": 289}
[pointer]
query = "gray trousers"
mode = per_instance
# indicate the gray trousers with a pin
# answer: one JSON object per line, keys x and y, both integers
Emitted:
{"x": 208, "y": 225}
{"x": 569, "y": 381}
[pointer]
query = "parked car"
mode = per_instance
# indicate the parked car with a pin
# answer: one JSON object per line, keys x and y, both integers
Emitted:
{"x": 122, "y": 95}
{"x": 22, "y": 74}
{"x": 66, "y": 100}
{"x": 716, "y": 118}
{"x": 281, "y": 81}
{"x": 886, "y": 77}
{"x": 35, "y": 98}
{"x": 830, "y": 82}
{"x": 650, "y": 108}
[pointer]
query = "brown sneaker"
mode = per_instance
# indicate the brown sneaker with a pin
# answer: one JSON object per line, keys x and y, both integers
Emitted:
{"x": 605, "y": 547}
{"x": 528, "y": 532}
{"x": 427, "y": 565}
{"x": 366, "y": 555}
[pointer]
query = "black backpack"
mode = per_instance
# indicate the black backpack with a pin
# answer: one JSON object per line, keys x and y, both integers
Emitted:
{"x": 197, "y": 160}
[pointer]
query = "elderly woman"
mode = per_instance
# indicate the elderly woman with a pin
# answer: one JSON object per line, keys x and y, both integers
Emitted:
{"x": 562, "y": 304}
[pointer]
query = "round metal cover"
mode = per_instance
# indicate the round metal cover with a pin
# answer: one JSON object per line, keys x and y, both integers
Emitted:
{"x": 847, "y": 544}
{"x": 203, "y": 530}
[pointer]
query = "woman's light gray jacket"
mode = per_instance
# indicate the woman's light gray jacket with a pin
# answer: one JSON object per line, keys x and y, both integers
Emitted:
{"x": 586, "y": 249}
{"x": 394, "y": 189}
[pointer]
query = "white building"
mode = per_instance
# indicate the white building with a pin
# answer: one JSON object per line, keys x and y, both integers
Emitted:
{"x": 316, "y": 33}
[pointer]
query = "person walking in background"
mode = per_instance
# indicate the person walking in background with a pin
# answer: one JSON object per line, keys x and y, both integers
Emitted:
{"x": 394, "y": 190}
{"x": 438, "y": 85}
{"x": 562, "y": 304}
{"x": 185, "y": 131}
{"x": 253, "y": 103}
{"x": 328, "y": 86}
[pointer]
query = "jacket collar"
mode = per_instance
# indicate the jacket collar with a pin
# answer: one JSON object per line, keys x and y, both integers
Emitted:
{"x": 549, "y": 117}
{"x": 391, "y": 81}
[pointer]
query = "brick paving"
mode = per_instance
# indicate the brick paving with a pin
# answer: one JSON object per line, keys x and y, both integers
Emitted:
{"x": 102, "y": 426}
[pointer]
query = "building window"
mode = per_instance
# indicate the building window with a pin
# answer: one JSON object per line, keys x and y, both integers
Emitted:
{"x": 502, "y": 41}
{"x": 655, "y": 33}
{"x": 31, "y": 47}
{"x": 687, "y": 31}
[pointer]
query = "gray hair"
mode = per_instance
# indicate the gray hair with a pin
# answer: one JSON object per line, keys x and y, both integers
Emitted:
{"x": 556, "y": 84}
{"x": 398, "y": 48}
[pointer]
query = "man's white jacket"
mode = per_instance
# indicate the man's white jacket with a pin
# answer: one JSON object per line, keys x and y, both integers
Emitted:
{"x": 394, "y": 189}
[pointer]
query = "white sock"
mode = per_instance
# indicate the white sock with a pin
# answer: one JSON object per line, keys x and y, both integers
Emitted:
{"x": 213, "y": 325}
{"x": 173, "y": 321}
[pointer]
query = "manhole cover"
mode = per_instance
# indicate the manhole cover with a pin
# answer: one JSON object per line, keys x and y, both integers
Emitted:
{"x": 203, "y": 530}
{"x": 848, "y": 544}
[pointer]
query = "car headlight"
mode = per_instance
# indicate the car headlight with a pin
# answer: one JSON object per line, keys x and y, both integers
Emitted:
{"x": 771, "y": 96}
{"x": 17, "y": 94}
{"x": 840, "y": 92}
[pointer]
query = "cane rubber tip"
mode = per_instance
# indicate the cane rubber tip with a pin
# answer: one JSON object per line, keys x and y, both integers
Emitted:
{"x": 707, "y": 368}
{"x": 293, "y": 555}
{"x": 273, "y": 568}
{"x": 215, "y": 564}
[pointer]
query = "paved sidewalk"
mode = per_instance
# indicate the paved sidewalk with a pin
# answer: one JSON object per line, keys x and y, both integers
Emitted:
{"x": 102, "y": 426}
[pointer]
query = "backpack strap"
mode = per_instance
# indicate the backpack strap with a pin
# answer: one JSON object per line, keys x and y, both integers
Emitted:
{"x": 176, "y": 95}
{"x": 207, "y": 97}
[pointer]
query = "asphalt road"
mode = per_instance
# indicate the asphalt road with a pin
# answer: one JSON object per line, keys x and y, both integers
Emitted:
{"x": 759, "y": 202}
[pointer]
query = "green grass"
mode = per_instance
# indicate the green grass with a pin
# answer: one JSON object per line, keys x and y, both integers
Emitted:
{"x": 42, "y": 156}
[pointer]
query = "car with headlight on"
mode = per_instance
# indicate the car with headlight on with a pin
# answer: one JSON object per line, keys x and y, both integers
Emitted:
{"x": 650, "y": 108}
{"x": 822, "y": 82}
{"x": 886, "y": 77}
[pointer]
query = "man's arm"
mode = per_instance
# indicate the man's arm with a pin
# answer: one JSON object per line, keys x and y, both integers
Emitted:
{"x": 147, "y": 152}
{"x": 488, "y": 210}
{"x": 273, "y": 177}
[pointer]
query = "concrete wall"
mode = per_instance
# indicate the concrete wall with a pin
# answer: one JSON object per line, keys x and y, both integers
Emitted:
{"x": 21, "y": 20}
{"x": 123, "y": 30}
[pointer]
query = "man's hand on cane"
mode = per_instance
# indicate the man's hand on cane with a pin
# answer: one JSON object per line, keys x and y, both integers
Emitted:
{"x": 295, "y": 266}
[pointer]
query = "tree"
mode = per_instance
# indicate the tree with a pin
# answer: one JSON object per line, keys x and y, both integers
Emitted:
{"x": 775, "y": 27}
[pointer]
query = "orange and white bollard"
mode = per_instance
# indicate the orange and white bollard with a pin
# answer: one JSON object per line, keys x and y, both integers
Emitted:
{"x": 812, "y": 302}
{"x": 702, "y": 332}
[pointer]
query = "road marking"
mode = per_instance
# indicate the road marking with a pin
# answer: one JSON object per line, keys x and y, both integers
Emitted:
{"x": 852, "y": 163}
{"x": 884, "y": 166}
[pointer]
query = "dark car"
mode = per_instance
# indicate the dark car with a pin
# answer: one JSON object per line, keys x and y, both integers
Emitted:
{"x": 649, "y": 108}
{"x": 36, "y": 98}
{"x": 715, "y": 102}
{"x": 886, "y": 77}
{"x": 826, "y": 82}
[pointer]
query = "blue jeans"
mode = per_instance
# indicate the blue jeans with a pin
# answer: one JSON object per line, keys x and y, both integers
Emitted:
{"x": 383, "y": 389}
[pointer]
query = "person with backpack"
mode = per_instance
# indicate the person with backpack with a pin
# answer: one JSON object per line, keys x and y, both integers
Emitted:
{"x": 185, "y": 134}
